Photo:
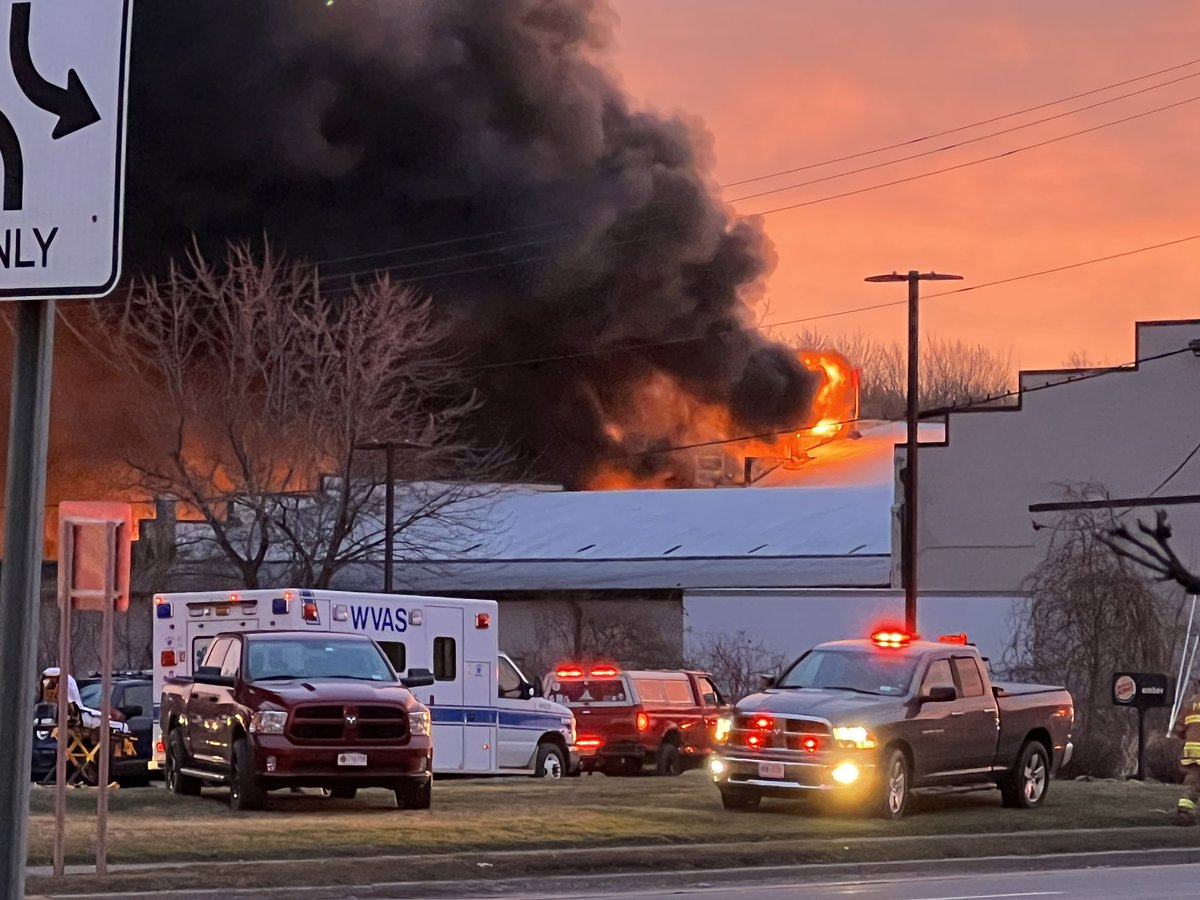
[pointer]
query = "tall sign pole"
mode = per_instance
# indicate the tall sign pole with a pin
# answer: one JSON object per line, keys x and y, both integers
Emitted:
{"x": 912, "y": 414}
{"x": 62, "y": 151}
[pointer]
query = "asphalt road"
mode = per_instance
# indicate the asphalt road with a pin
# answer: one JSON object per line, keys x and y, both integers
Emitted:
{"x": 1141, "y": 882}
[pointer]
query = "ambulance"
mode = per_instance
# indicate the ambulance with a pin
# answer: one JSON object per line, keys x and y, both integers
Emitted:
{"x": 487, "y": 717}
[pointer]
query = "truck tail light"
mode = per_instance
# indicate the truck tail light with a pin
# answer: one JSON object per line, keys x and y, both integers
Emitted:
{"x": 167, "y": 658}
{"x": 311, "y": 615}
{"x": 159, "y": 747}
{"x": 642, "y": 721}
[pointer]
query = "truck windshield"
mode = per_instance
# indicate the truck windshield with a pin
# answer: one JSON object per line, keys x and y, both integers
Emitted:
{"x": 862, "y": 671}
{"x": 310, "y": 657}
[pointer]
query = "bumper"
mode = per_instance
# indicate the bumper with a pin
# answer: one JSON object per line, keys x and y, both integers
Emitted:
{"x": 280, "y": 763}
{"x": 774, "y": 777}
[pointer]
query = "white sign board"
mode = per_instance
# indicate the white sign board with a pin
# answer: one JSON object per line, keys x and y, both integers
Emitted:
{"x": 63, "y": 84}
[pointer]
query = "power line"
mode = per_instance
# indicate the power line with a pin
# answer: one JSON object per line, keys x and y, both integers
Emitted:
{"x": 976, "y": 403}
{"x": 974, "y": 162}
{"x": 1179, "y": 468}
{"x": 948, "y": 131}
{"x": 812, "y": 202}
{"x": 561, "y": 357}
{"x": 936, "y": 412}
{"x": 964, "y": 143}
{"x": 569, "y": 221}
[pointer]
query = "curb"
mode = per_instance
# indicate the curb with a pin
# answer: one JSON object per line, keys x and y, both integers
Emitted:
{"x": 811, "y": 874}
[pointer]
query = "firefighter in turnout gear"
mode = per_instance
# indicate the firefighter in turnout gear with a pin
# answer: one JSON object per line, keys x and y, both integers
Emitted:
{"x": 1188, "y": 728}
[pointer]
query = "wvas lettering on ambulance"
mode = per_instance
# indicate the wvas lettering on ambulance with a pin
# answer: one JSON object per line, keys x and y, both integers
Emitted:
{"x": 376, "y": 618}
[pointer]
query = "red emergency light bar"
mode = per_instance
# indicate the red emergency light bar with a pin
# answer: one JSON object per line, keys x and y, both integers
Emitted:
{"x": 599, "y": 671}
{"x": 889, "y": 638}
{"x": 953, "y": 638}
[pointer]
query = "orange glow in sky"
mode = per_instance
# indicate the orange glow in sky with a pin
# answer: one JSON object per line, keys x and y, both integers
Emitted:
{"x": 779, "y": 84}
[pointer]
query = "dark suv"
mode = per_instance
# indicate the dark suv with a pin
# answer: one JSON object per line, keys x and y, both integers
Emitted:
{"x": 132, "y": 697}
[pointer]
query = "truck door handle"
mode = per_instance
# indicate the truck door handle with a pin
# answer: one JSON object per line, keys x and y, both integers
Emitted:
{"x": 957, "y": 713}
{"x": 990, "y": 709}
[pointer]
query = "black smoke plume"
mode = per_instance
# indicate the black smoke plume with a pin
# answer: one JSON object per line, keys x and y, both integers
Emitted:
{"x": 348, "y": 128}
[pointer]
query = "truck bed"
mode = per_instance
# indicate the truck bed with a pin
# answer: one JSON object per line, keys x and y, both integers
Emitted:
{"x": 1018, "y": 689}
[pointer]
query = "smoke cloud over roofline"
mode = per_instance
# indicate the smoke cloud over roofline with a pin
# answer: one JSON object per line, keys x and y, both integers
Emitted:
{"x": 367, "y": 125}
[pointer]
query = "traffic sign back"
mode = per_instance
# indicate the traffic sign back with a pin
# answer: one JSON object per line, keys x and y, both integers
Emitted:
{"x": 63, "y": 84}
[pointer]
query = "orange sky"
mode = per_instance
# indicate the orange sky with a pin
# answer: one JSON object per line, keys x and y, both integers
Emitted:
{"x": 784, "y": 83}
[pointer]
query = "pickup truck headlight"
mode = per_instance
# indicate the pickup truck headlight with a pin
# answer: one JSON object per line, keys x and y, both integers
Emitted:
{"x": 269, "y": 722}
{"x": 418, "y": 722}
{"x": 854, "y": 736}
{"x": 721, "y": 732}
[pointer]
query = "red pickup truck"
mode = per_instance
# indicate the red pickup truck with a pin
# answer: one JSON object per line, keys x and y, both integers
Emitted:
{"x": 626, "y": 719}
{"x": 269, "y": 710}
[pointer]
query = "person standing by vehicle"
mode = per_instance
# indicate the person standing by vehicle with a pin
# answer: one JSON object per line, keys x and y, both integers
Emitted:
{"x": 1188, "y": 728}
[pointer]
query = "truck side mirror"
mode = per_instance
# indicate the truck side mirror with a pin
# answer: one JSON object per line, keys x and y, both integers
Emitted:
{"x": 417, "y": 678}
{"x": 539, "y": 689}
{"x": 940, "y": 694}
{"x": 212, "y": 675}
{"x": 766, "y": 680}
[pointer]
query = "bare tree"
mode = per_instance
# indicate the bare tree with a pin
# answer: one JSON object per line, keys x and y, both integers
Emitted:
{"x": 1089, "y": 614}
{"x": 1152, "y": 550}
{"x": 735, "y": 661}
{"x": 585, "y": 631}
{"x": 258, "y": 391}
{"x": 953, "y": 372}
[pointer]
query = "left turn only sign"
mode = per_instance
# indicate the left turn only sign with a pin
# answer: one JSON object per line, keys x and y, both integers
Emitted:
{"x": 62, "y": 146}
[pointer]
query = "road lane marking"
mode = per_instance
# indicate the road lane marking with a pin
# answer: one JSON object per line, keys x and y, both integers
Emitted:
{"x": 993, "y": 896}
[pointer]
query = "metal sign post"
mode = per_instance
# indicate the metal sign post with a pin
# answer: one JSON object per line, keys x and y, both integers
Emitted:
{"x": 1142, "y": 691}
{"x": 92, "y": 575}
{"x": 62, "y": 172}
{"x": 20, "y": 581}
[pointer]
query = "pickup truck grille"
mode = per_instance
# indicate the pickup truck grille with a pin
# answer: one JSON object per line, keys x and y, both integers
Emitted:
{"x": 327, "y": 723}
{"x": 790, "y": 726}
{"x": 806, "y": 735}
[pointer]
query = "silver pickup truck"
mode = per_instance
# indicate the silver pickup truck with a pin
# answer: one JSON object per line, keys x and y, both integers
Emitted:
{"x": 873, "y": 720}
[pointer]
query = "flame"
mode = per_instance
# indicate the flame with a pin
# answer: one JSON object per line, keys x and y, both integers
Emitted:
{"x": 659, "y": 413}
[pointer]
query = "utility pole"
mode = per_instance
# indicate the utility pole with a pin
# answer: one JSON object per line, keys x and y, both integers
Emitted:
{"x": 389, "y": 449}
{"x": 909, "y": 560}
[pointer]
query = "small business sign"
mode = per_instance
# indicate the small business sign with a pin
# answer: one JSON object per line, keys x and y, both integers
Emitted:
{"x": 1142, "y": 690}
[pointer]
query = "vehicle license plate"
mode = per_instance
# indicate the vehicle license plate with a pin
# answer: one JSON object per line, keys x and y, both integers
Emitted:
{"x": 770, "y": 770}
{"x": 352, "y": 759}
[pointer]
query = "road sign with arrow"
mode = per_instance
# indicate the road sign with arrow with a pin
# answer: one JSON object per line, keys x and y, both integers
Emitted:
{"x": 62, "y": 146}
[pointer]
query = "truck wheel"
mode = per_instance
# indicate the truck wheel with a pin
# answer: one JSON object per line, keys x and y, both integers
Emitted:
{"x": 739, "y": 798}
{"x": 668, "y": 760}
{"x": 1026, "y": 784}
{"x": 415, "y": 796}
{"x": 245, "y": 792}
{"x": 177, "y": 782}
{"x": 342, "y": 792}
{"x": 895, "y": 784}
{"x": 550, "y": 763}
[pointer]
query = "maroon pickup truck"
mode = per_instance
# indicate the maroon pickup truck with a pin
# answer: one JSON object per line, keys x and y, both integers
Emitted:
{"x": 626, "y": 719}
{"x": 279, "y": 709}
{"x": 875, "y": 719}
